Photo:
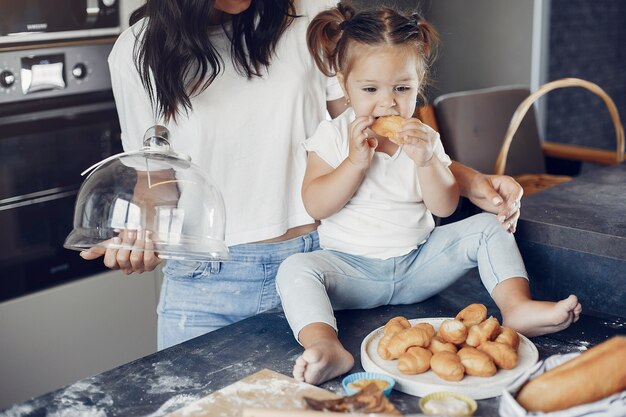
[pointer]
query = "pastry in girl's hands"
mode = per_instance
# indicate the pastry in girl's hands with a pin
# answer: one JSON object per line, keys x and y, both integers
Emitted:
{"x": 447, "y": 366}
{"x": 472, "y": 314}
{"x": 503, "y": 355}
{"x": 508, "y": 336}
{"x": 453, "y": 331}
{"x": 440, "y": 345}
{"x": 388, "y": 126}
{"x": 415, "y": 360}
{"x": 477, "y": 363}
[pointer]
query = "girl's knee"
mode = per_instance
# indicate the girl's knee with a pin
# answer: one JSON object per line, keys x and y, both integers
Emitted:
{"x": 294, "y": 266}
{"x": 488, "y": 223}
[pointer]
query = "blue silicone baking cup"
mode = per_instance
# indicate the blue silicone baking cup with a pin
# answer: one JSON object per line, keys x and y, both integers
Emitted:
{"x": 359, "y": 376}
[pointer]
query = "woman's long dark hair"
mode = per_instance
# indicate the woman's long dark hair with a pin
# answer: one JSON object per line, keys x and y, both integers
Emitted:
{"x": 176, "y": 48}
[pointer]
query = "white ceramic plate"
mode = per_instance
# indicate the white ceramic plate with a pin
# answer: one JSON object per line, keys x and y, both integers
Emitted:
{"x": 423, "y": 384}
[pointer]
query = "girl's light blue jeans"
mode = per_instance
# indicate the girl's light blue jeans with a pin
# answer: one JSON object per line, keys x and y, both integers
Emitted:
{"x": 199, "y": 297}
{"x": 312, "y": 285}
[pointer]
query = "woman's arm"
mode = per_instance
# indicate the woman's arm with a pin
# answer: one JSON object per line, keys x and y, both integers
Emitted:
{"x": 498, "y": 194}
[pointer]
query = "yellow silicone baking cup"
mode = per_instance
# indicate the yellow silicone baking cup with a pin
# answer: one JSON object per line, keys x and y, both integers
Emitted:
{"x": 444, "y": 394}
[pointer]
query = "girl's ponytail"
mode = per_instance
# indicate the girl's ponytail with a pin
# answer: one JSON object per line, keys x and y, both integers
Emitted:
{"x": 324, "y": 35}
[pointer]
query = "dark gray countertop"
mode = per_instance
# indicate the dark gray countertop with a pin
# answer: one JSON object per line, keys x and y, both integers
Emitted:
{"x": 587, "y": 215}
{"x": 160, "y": 383}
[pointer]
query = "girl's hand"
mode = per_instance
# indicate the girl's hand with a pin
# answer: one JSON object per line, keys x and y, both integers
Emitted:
{"x": 419, "y": 141}
{"x": 362, "y": 147}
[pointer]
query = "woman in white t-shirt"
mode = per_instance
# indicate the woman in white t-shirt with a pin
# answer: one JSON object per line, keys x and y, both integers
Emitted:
{"x": 236, "y": 86}
{"x": 375, "y": 197}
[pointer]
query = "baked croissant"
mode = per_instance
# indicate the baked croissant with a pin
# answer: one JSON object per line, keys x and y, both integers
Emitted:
{"x": 415, "y": 360}
{"x": 503, "y": 355}
{"x": 508, "y": 336}
{"x": 472, "y": 314}
{"x": 447, "y": 366}
{"x": 477, "y": 363}
{"x": 479, "y": 333}
{"x": 388, "y": 126}
{"x": 439, "y": 345}
{"x": 414, "y": 336}
{"x": 396, "y": 324}
{"x": 453, "y": 331}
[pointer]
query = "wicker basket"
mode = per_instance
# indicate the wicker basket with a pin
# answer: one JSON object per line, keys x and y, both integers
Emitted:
{"x": 532, "y": 183}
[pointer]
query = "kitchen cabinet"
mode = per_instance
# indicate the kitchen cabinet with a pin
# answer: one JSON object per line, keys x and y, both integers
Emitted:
{"x": 54, "y": 337}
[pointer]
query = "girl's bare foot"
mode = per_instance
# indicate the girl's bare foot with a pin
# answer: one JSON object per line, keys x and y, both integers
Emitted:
{"x": 322, "y": 361}
{"x": 536, "y": 318}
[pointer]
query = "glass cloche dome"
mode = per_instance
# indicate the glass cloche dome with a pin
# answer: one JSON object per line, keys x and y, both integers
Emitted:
{"x": 151, "y": 198}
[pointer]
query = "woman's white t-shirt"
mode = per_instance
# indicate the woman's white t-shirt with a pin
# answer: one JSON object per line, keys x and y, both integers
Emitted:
{"x": 245, "y": 134}
{"x": 386, "y": 217}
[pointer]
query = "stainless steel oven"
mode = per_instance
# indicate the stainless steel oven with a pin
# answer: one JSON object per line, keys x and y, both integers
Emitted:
{"x": 45, "y": 20}
{"x": 57, "y": 117}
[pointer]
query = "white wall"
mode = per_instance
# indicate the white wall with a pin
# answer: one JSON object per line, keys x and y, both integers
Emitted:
{"x": 126, "y": 8}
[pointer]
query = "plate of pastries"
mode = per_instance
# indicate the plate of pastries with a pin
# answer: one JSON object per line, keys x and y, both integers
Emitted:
{"x": 470, "y": 353}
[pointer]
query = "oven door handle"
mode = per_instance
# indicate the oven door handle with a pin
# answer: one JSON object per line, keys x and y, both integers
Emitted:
{"x": 93, "y": 10}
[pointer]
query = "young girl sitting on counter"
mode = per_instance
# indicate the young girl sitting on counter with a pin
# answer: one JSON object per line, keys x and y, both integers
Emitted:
{"x": 376, "y": 196}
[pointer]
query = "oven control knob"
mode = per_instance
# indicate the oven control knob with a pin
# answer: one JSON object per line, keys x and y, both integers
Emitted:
{"x": 79, "y": 71}
{"x": 7, "y": 79}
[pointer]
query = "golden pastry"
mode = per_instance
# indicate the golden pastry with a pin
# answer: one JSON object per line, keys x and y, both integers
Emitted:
{"x": 479, "y": 333}
{"x": 426, "y": 326}
{"x": 440, "y": 345}
{"x": 477, "y": 363}
{"x": 396, "y": 324}
{"x": 415, "y": 360}
{"x": 508, "y": 336}
{"x": 472, "y": 314}
{"x": 453, "y": 331}
{"x": 447, "y": 366}
{"x": 388, "y": 126}
{"x": 401, "y": 341}
{"x": 503, "y": 355}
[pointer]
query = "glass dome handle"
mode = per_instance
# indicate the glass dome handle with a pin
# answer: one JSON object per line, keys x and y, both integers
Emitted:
{"x": 157, "y": 137}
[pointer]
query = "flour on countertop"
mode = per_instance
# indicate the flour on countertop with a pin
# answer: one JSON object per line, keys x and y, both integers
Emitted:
{"x": 173, "y": 404}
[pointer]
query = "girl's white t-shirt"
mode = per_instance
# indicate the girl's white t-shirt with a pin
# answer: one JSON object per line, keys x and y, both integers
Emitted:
{"x": 387, "y": 216}
{"x": 245, "y": 134}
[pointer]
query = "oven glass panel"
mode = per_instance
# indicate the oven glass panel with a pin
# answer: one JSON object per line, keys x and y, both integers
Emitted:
{"x": 20, "y": 16}
{"x": 40, "y": 165}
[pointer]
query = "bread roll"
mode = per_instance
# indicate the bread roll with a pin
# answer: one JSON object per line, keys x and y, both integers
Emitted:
{"x": 479, "y": 333}
{"x": 393, "y": 326}
{"x": 396, "y": 325}
{"x": 452, "y": 331}
{"x": 472, "y": 314}
{"x": 477, "y": 363}
{"x": 440, "y": 345}
{"x": 414, "y": 336}
{"x": 508, "y": 336}
{"x": 388, "y": 126}
{"x": 415, "y": 360}
{"x": 595, "y": 374}
{"x": 428, "y": 327}
{"x": 447, "y": 366}
{"x": 503, "y": 355}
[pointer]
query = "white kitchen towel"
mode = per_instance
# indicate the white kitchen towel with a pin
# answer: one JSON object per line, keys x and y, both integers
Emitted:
{"x": 613, "y": 406}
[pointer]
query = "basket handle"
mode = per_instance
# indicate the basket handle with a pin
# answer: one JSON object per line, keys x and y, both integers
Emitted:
{"x": 521, "y": 110}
